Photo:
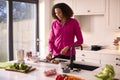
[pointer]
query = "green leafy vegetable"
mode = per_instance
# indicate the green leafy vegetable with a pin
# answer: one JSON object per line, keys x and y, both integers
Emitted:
{"x": 107, "y": 73}
{"x": 5, "y": 64}
{"x": 19, "y": 66}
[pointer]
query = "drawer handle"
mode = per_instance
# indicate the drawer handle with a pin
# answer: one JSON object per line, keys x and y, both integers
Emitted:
{"x": 88, "y": 10}
{"x": 82, "y": 60}
{"x": 119, "y": 27}
{"x": 83, "y": 55}
{"x": 117, "y": 64}
{"x": 117, "y": 59}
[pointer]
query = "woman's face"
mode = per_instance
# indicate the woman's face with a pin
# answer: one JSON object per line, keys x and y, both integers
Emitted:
{"x": 59, "y": 13}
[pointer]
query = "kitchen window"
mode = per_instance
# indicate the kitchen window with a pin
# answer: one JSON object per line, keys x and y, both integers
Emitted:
{"x": 19, "y": 29}
{"x": 3, "y": 31}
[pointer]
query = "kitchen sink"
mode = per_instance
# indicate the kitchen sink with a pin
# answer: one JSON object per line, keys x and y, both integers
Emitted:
{"x": 77, "y": 67}
{"x": 84, "y": 66}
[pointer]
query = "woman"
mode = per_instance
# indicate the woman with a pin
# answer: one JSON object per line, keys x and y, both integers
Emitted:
{"x": 63, "y": 32}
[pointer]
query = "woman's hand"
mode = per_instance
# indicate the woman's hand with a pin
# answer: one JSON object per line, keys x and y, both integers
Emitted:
{"x": 49, "y": 57}
{"x": 64, "y": 50}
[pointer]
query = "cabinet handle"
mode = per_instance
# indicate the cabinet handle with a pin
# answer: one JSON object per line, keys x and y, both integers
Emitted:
{"x": 117, "y": 64}
{"x": 83, "y": 55}
{"x": 88, "y": 11}
{"x": 82, "y": 60}
{"x": 117, "y": 59}
{"x": 119, "y": 27}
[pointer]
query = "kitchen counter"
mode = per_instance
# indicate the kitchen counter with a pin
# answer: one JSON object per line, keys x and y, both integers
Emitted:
{"x": 105, "y": 51}
{"x": 38, "y": 74}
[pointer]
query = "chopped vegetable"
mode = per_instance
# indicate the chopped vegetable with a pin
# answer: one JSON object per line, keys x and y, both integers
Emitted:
{"x": 5, "y": 64}
{"x": 67, "y": 77}
{"x": 70, "y": 77}
{"x": 60, "y": 77}
{"x": 50, "y": 72}
{"x": 19, "y": 66}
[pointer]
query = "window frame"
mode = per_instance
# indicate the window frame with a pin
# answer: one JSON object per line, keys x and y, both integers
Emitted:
{"x": 28, "y": 1}
{"x": 10, "y": 26}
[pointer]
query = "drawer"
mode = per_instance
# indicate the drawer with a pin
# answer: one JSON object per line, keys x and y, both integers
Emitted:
{"x": 117, "y": 64}
{"x": 110, "y": 58}
{"x": 97, "y": 61}
{"x": 89, "y": 55}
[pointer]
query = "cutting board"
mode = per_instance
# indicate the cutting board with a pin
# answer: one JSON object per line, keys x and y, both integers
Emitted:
{"x": 59, "y": 60}
{"x": 22, "y": 71}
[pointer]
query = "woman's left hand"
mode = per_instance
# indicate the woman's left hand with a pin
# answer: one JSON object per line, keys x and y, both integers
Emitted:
{"x": 64, "y": 50}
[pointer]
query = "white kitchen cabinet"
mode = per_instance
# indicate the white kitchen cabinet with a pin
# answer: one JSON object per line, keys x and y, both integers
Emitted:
{"x": 89, "y": 7}
{"x": 112, "y": 59}
{"x": 87, "y": 56}
{"x": 114, "y": 14}
{"x": 85, "y": 7}
{"x": 69, "y": 2}
{"x": 101, "y": 57}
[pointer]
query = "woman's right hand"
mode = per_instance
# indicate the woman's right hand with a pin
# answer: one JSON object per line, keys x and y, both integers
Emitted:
{"x": 49, "y": 57}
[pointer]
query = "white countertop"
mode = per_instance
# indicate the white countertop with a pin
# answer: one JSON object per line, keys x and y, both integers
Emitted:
{"x": 102, "y": 51}
{"x": 38, "y": 74}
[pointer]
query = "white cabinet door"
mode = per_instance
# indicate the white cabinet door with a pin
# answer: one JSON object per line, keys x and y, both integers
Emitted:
{"x": 69, "y": 2}
{"x": 110, "y": 59}
{"x": 114, "y": 14}
{"x": 87, "y": 60}
{"x": 86, "y": 7}
{"x": 88, "y": 56}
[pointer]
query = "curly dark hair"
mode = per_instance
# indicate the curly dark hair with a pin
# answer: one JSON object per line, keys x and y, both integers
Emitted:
{"x": 66, "y": 10}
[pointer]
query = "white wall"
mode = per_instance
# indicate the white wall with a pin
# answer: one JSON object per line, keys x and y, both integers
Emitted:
{"x": 95, "y": 28}
{"x": 95, "y": 31}
{"x": 45, "y": 22}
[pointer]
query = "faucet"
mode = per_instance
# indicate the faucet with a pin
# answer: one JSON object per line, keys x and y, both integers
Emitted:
{"x": 71, "y": 65}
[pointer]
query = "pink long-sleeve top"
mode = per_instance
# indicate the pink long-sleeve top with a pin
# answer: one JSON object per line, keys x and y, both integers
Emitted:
{"x": 64, "y": 35}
